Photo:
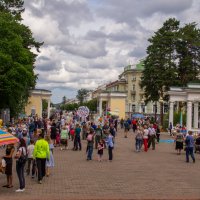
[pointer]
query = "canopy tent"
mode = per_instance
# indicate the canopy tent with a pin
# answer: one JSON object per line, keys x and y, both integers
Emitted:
{"x": 7, "y": 138}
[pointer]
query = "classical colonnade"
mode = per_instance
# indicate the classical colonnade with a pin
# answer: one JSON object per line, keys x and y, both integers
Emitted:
{"x": 191, "y": 96}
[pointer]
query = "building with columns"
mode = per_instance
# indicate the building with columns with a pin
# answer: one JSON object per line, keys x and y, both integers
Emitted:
{"x": 114, "y": 102}
{"x": 191, "y": 96}
{"x": 34, "y": 105}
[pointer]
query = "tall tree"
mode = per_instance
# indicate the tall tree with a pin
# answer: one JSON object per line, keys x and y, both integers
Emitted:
{"x": 17, "y": 75}
{"x": 15, "y": 7}
{"x": 64, "y": 100}
{"x": 172, "y": 59}
{"x": 82, "y": 93}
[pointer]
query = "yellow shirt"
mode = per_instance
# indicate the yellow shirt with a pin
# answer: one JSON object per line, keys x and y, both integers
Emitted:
{"x": 41, "y": 149}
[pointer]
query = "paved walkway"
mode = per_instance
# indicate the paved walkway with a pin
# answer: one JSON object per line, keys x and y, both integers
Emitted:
{"x": 159, "y": 174}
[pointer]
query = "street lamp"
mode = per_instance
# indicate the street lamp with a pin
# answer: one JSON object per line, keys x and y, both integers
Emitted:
{"x": 161, "y": 111}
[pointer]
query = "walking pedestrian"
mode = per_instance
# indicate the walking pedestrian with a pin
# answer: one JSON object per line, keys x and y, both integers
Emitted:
{"x": 50, "y": 161}
{"x": 110, "y": 144}
{"x": 145, "y": 138}
{"x": 152, "y": 136}
{"x": 189, "y": 141}
{"x": 31, "y": 161}
{"x": 179, "y": 142}
{"x": 138, "y": 139}
{"x": 77, "y": 139}
{"x": 90, "y": 143}
{"x": 20, "y": 164}
{"x": 41, "y": 153}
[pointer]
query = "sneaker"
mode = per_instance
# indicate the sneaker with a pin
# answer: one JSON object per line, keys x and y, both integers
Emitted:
{"x": 193, "y": 161}
{"x": 19, "y": 190}
{"x": 40, "y": 182}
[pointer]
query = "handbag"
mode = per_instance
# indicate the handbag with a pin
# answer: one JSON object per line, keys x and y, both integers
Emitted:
{"x": 23, "y": 158}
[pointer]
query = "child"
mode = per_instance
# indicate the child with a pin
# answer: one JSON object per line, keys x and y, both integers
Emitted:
{"x": 30, "y": 150}
{"x": 49, "y": 162}
{"x": 100, "y": 147}
{"x": 9, "y": 163}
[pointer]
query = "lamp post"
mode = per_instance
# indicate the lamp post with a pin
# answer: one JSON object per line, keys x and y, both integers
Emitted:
{"x": 161, "y": 111}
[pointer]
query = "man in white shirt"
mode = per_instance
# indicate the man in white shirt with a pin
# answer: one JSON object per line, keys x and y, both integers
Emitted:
{"x": 152, "y": 136}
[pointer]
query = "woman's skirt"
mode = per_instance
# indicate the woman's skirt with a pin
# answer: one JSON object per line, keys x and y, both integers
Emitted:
{"x": 179, "y": 145}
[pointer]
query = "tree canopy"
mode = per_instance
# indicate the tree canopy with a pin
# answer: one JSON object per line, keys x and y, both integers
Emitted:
{"x": 82, "y": 93}
{"x": 173, "y": 59}
{"x": 14, "y": 7}
{"x": 17, "y": 75}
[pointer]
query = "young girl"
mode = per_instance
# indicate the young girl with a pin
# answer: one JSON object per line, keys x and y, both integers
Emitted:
{"x": 50, "y": 162}
{"x": 9, "y": 163}
{"x": 100, "y": 148}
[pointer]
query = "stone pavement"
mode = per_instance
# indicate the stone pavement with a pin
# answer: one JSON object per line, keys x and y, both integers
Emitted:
{"x": 159, "y": 174}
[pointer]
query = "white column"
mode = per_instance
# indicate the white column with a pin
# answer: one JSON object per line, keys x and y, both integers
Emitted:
{"x": 100, "y": 106}
{"x": 171, "y": 112}
{"x": 48, "y": 109}
{"x": 196, "y": 114}
{"x": 189, "y": 115}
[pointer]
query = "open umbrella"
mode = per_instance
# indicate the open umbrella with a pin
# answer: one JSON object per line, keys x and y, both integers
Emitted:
{"x": 138, "y": 115}
{"x": 7, "y": 138}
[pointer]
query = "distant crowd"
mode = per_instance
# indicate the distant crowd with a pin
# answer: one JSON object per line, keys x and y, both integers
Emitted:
{"x": 38, "y": 137}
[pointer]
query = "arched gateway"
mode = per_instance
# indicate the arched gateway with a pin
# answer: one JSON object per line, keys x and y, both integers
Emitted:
{"x": 190, "y": 95}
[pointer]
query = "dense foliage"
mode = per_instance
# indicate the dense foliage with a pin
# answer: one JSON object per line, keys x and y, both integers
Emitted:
{"x": 173, "y": 59}
{"x": 17, "y": 75}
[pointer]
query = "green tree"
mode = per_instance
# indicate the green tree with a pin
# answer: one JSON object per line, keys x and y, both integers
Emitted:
{"x": 17, "y": 76}
{"x": 15, "y": 7}
{"x": 172, "y": 59}
{"x": 64, "y": 100}
{"x": 92, "y": 105}
{"x": 82, "y": 93}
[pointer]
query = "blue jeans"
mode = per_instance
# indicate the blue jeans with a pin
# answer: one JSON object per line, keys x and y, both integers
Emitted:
{"x": 20, "y": 174}
{"x": 138, "y": 144}
{"x": 89, "y": 152}
{"x": 189, "y": 151}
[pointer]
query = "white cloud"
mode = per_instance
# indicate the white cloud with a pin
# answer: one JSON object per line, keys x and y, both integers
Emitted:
{"x": 87, "y": 42}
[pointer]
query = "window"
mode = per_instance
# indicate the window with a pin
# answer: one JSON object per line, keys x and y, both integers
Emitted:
{"x": 155, "y": 108}
{"x": 133, "y": 108}
{"x": 166, "y": 107}
{"x": 133, "y": 87}
{"x": 133, "y": 97}
{"x": 134, "y": 78}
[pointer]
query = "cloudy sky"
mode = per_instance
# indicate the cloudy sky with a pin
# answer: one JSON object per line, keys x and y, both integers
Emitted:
{"x": 88, "y": 42}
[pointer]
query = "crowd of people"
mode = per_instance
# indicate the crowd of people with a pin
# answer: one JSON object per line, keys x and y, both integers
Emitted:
{"x": 38, "y": 137}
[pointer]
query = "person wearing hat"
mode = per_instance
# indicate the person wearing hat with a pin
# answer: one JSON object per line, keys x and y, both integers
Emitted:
{"x": 41, "y": 153}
